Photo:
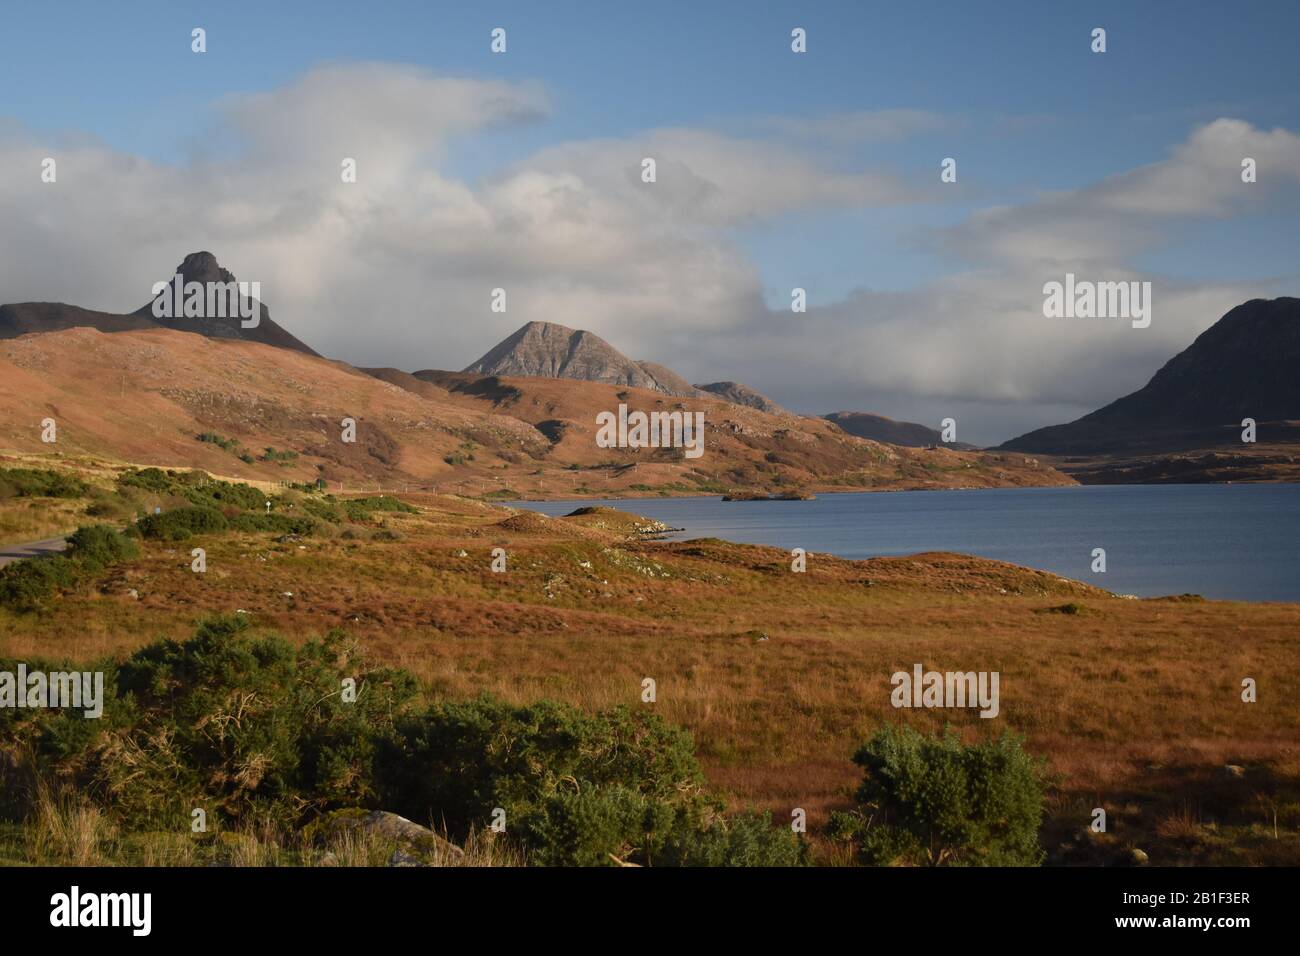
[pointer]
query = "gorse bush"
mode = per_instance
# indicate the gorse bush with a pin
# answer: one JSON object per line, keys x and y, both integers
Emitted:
{"x": 226, "y": 444}
{"x": 40, "y": 483}
{"x": 257, "y": 731}
{"x": 196, "y": 487}
{"x": 98, "y": 546}
{"x": 179, "y": 523}
{"x": 26, "y": 585}
{"x": 251, "y": 729}
{"x": 929, "y": 800}
{"x": 578, "y": 789}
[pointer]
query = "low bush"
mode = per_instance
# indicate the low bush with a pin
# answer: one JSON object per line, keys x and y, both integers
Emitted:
{"x": 26, "y": 585}
{"x": 40, "y": 483}
{"x": 97, "y": 546}
{"x": 179, "y": 523}
{"x": 249, "y": 728}
{"x": 578, "y": 789}
{"x": 928, "y": 800}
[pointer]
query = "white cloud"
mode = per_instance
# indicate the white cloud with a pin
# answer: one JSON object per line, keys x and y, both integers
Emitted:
{"x": 398, "y": 268}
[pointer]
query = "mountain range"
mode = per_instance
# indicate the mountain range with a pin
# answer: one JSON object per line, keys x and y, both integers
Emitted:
{"x": 533, "y": 398}
{"x": 258, "y": 403}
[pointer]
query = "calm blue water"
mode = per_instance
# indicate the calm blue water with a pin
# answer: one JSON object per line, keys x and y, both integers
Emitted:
{"x": 1238, "y": 542}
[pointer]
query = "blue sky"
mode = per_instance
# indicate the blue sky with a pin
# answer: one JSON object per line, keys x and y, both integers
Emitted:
{"x": 1024, "y": 105}
{"x": 1016, "y": 73}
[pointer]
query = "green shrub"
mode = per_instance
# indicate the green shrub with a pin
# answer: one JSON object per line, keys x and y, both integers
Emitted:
{"x": 179, "y": 523}
{"x": 197, "y": 487}
{"x": 225, "y": 444}
{"x": 325, "y": 509}
{"x": 97, "y": 546}
{"x": 280, "y": 456}
{"x": 25, "y": 585}
{"x": 40, "y": 483}
{"x": 249, "y": 728}
{"x": 746, "y": 839}
{"x": 362, "y": 509}
{"x": 578, "y": 789}
{"x": 931, "y": 800}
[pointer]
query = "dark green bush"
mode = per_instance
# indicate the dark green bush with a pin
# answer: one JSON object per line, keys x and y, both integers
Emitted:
{"x": 249, "y": 728}
{"x": 578, "y": 789}
{"x": 25, "y": 585}
{"x": 930, "y": 800}
{"x": 179, "y": 523}
{"x": 197, "y": 487}
{"x": 97, "y": 546}
{"x": 226, "y": 444}
{"x": 746, "y": 839}
{"x": 40, "y": 483}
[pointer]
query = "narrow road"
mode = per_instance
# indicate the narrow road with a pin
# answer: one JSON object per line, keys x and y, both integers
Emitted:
{"x": 32, "y": 549}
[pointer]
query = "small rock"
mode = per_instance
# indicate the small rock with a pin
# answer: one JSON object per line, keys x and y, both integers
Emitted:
{"x": 133, "y": 593}
{"x": 1136, "y": 857}
{"x": 1233, "y": 772}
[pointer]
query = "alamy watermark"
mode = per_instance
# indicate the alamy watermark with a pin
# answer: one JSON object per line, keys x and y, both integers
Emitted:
{"x": 77, "y": 690}
{"x": 639, "y": 429}
{"x": 922, "y": 688}
{"x": 213, "y": 300}
{"x": 1098, "y": 300}
{"x": 75, "y": 908}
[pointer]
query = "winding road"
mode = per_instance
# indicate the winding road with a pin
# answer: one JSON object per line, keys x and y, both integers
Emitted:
{"x": 32, "y": 549}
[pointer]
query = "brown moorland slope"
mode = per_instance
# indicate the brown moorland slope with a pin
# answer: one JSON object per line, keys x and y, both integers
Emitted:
{"x": 148, "y": 396}
{"x": 744, "y": 447}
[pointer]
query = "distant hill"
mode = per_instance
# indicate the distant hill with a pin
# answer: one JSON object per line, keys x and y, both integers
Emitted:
{"x": 547, "y": 350}
{"x": 20, "y": 318}
{"x": 25, "y": 317}
{"x": 246, "y": 409}
{"x": 739, "y": 394}
{"x": 880, "y": 428}
{"x": 1246, "y": 365}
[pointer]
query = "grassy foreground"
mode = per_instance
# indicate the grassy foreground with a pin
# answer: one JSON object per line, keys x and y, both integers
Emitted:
{"x": 1135, "y": 704}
